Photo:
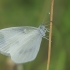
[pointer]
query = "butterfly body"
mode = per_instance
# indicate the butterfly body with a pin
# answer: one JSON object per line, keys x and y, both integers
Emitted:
{"x": 21, "y": 43}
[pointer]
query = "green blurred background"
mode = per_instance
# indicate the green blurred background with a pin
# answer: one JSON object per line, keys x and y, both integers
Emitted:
{"x": 32, "y": 13}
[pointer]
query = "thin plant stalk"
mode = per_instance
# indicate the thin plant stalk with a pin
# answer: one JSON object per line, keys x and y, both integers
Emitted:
{"x": 50, "y": 34}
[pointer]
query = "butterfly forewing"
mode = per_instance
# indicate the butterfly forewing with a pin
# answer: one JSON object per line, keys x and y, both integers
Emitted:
{"x": 8, "y": 37}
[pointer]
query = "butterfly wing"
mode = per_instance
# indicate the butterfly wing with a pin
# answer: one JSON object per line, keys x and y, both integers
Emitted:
{"x": 27, "y": 48}
{"x": 8, "y": 37}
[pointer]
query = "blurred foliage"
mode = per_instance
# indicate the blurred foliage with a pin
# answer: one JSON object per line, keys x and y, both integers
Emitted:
{"x": 33, "y": 13}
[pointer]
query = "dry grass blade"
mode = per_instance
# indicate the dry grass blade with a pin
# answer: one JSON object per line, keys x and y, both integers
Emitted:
{"x": 50, "y": 34}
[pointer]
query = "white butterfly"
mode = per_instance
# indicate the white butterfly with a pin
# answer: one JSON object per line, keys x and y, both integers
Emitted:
{"x": 21, "y": 43}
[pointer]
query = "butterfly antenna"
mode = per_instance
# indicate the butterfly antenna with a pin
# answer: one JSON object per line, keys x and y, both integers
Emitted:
{"x": 48, "y": 22}
{"x": 45, "y": 18}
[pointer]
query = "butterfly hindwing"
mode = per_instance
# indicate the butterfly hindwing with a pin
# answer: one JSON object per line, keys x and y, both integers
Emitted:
{"x": 27, "y": 49}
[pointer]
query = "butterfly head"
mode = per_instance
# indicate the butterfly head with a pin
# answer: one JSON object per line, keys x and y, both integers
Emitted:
{"x": 43, "y": 29}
